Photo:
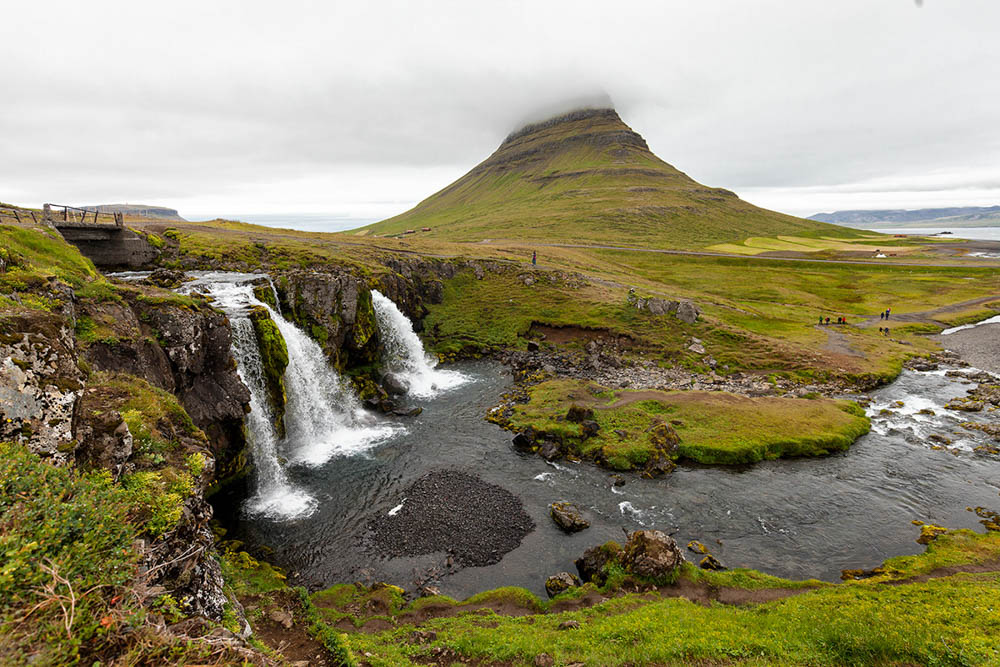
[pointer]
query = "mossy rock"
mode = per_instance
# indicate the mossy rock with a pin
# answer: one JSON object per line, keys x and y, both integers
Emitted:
{"x": 274, "y": 357}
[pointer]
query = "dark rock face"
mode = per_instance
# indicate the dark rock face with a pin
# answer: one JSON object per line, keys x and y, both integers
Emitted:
{"x": 549, "y": 451}
{"x": 568, "y": 517}
{"x": 454, "y": 512}
{"x": 559, "y": 583}
{"x": 198, "y": 347}
{"x": 103, "y": 436}
{"x": 336, "y": 310}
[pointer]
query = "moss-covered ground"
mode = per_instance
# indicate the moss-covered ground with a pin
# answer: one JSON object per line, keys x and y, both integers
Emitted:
{"x": 714, "y": 427}
{"x": 915, "y": 613}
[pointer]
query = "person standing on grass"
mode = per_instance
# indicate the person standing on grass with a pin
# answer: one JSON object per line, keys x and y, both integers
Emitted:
{"x": 881, "y": 316}
{"x": 534, "y": 258}
{"x": 887, "y": 310}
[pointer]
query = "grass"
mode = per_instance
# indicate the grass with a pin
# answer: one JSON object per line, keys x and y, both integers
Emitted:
{"x": 945, "y": 621}
{"x": 714, "y": 427}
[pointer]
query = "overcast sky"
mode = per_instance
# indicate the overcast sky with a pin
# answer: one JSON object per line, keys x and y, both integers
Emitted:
{"x": 361, "y": 109}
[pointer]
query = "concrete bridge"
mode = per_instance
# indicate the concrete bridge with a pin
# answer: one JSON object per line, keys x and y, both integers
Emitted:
{"x": 108, "y": 244}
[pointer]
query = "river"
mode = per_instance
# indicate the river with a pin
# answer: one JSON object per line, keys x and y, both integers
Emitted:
{"x": 795, "y": 518}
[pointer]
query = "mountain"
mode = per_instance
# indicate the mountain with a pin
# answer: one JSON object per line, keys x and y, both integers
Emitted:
{"x": 586, "y": 176}
{"x": 140, "y": 210}
{"x": 956, "y": 216}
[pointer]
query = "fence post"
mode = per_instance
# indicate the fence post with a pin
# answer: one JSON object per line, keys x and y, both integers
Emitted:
{"x": 65, "y": 214}
{"x": 47, "y": 213}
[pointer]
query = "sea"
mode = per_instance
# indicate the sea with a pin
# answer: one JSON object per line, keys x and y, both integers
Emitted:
{"x": 976, "y": 233}
{"x": 305, "y": 222}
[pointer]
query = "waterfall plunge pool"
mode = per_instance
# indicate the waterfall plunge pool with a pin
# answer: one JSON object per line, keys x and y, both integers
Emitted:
{"x": 796, "y": 518}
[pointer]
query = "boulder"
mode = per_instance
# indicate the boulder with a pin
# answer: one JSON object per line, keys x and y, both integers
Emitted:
{"x": 544, "y": 660}
{"x": 652, "y": 554}
{"x": 568, "y": 517}
{"x": 533, "y": 346}
{"x": 549, "y": 451}
{"x": 394, "y": 384}
{"x": 408, "y": 412}
{"x": 710, "y": 562}
{"x": 523, "y": 441}
{"x": 561, "y": 582}
{"x": 687, "y": 312}
{"x": 590, "y": 428}
{"x": 578, "y": 413}
{"x": 569, "y": 625}
{"x": 592, "y": 564}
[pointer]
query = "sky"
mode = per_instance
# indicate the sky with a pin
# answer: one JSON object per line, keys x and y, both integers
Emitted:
{"x": 358, "y": 110}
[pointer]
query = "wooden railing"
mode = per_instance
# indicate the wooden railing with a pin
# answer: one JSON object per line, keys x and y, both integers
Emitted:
{"x": 69, "y": 214}
{"x": 18, "y": 214}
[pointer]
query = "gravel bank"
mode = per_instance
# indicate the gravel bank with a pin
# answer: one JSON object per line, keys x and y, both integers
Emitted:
{"x": 454, "y": 512}
{"x": 979, "y": 346}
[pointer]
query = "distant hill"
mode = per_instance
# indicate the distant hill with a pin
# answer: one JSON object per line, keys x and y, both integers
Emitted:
{"x": 956, "y": 216}
{"x": 586, "y": 176}
{"x": 141, "y": 210}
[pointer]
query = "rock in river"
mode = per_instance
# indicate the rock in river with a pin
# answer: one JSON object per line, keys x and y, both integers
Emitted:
{"x": 558, "y": 583}
{"x": 568, "y": 517}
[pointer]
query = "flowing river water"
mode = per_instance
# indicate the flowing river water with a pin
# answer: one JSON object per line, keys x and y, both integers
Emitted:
{"x": 796, "y": 518}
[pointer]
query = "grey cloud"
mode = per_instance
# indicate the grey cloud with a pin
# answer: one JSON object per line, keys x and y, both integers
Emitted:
{"x": 212, "y": 102}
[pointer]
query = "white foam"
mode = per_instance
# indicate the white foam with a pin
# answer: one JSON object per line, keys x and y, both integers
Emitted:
{"x": 404, "y": 353}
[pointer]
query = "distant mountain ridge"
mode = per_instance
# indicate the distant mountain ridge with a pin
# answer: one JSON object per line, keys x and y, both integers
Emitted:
{"x": 957, "y": 216}
{"x": 142, "y": 210}
{"x": 587, "y": 177}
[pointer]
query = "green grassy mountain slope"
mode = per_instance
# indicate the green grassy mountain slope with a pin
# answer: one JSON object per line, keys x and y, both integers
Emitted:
{"x": 587, "y": 177}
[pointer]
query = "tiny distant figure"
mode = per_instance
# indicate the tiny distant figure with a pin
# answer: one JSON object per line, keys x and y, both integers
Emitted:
{"x": 887, "y": 312}
{"x": 880, "y": 329}
{"x": 828, "y": 320}
{"x": 881, "y": 316}
{"x": 534, "y": 258}
{"x": 839, "y": 319}
{"x": 886, "y": 331}
{"x": 821, "y": 319}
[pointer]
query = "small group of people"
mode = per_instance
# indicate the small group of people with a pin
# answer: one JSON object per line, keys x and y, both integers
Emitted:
{"x": 884, "y": 315}
{"x": 840, "y": 320}
{"x": 884, "y": 331}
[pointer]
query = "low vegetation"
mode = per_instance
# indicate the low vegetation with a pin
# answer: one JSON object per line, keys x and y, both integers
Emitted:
{"x": 713, "y": 427}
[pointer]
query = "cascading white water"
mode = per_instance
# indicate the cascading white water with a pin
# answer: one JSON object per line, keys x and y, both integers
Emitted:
{"x": 275, "y": 497}
{"x": 323, "y": 418}
{"x": 404, "y": 353}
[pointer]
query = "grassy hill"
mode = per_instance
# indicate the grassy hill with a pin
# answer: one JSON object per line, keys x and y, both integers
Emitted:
{"x": 587, "y": 177}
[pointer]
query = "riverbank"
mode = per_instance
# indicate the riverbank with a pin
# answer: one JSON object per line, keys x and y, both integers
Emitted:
{"x": 979, "y": 346}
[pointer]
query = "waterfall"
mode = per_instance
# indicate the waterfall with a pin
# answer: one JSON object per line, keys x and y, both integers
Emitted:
{"x": 323, "y": 417}
{"x": 275, "y": 497}
{"x": 404, "y": 353}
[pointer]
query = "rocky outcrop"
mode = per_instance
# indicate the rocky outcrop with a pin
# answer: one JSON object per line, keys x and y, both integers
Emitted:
{"x": 336, "y": 310}
{"x": 684, "y": 310}
{"x": 274, "y": 359}
{"x": 40, "y": 382}
{"x": 649, "y": 556}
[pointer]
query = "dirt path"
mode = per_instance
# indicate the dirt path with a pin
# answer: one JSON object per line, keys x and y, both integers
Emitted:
{"x": 838, "y": 343}
{"x": 927, "y": 316}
